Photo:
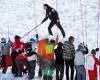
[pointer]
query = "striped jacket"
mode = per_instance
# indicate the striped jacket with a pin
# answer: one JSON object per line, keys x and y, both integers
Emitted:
{"x": 68, "y": 51}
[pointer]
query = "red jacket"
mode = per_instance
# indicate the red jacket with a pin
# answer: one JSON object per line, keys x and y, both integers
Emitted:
{"x": 97, "y": 62}
{"x": 18, "y": 45}
{"x": 93, "y": 73}
{"x": 22, "y": 57}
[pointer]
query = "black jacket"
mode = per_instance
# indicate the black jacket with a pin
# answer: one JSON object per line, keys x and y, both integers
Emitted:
{"x": 59, "y": 56}
{"x": 51, "y": 14}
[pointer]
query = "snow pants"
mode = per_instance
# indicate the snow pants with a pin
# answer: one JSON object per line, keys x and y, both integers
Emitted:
{"x": 41, "y": 64}
{"x": 14, "y": 68}
{"x": 48, "y": 70}
{"x": 31, "y": 71}
{"x": 3, "y": 64}
{"x": 58, "y": 25}
{"x": 69, "y": 63}
{"x": 80, "y": 72}
{"x": 59, "y": 72}
{"x": 19, "y": 64}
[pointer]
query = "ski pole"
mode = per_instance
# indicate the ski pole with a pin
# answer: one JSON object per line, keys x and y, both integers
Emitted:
{"x": 31, "y": 30}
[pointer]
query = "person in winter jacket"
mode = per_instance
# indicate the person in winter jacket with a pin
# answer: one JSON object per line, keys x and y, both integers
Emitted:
{"x": 59, "y": 62}
{"x": 92, "y": 63}
{"x": 17, "y": 45}
{"x": 2, "y": 43}
{"x": 32, "y": 58}
{"x": 69, "y": 55}
{"x": 41, "y": 52}
{"x": 53, "y": 16}
{"x": 49, "y": 60}
{"x": 79, "y": 62}
{"x": 21, "y": 61}
{"x": 5, "y": 51}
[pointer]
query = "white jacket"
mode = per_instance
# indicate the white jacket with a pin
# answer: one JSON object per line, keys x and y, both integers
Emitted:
{"x": 79, "y": 58}
{"x": 90, "y": 62}
{"x": 33, "y": 57}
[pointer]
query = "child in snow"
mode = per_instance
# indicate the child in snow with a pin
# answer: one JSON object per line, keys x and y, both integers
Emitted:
{"x": 49, "y": 60}
{"x": 92, "y": 63}
{"x": 32, "y": 58}
{"x": 59, "y": 62}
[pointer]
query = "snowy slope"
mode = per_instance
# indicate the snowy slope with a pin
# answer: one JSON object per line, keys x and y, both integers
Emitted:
{"x": 18, "y": 15}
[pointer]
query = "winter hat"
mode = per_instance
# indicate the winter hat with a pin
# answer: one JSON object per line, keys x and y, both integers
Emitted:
{"x": 93, "y": 51}
{"x": 97, "y": 49}
{"x": 3, "y": 39}
{"x": 45, "y": 5}
{"x": 52, "y": 41}
{"x": 60, "y": 44}
{"x": 80, "y": 46}
{"x": 17, "y": 37}
{"x": 32, "y": 40}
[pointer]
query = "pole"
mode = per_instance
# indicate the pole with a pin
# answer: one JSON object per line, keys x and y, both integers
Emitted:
{"x": 82, "y": 19}
{"x": 98, "y": 8}
{"x": 30, "y": 31}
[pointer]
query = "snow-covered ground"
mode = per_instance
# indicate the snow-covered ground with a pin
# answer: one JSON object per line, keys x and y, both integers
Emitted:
{"x": 18, "y": 17}
{"x": 10, "y": 76}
